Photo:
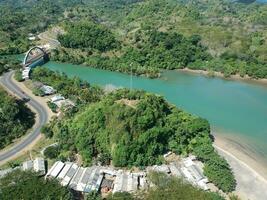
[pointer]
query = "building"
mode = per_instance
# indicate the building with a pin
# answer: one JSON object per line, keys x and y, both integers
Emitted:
{"x": 76, "y": 179}
{"x": 94, "y": 181}
{"x": 47, "y": 90}
{"x": 194, "y": 174}
{"x": 159, "y": 168}
{"x": 84, "y": 180}
{"x": 66, "y": 103}
{"x": 187, "y": 174}
{"x": 143, "y": 182}
{"x": 55, "y": 169}
{"x": 64, "y": 171}
{"x": 39, "y": 166}
{"x": 175, "y": 169}
{"x": 93, "y": 178}
{"x": 125, "y": 182}
{"x": 71, "y": 172}
{"x": 27, "y": 165}
{"x": 26, "y": 73}
{"x": 57, "y": 98}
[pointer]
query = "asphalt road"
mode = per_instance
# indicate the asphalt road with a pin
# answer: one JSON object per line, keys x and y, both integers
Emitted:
{"x": 6, "y": 80}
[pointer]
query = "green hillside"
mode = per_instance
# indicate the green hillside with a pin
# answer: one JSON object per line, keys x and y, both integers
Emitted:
{"x": 232, "y": 37}
{"x": 135, "y": 128}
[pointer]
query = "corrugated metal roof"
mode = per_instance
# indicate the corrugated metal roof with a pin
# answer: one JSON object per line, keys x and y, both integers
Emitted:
{"x": 84, "y": 179}
{"x": 69, "y": 174}
{"x": 55, "y": 169}
{"x": 175, "y": 170}
{"x": 27, "y": 165}
{"x": 196, "y": 172}
{"x": 76, "y": 178}
{"x": 65, "y": 170}
{"x": 39, "y": 165}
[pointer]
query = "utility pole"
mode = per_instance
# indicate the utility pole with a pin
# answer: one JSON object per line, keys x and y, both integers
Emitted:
{"x": 131, "y": 81}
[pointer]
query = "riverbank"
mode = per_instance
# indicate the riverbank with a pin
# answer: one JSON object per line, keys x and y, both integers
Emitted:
{"x": 235, "y": 77}
{"x": 250, "y": 172}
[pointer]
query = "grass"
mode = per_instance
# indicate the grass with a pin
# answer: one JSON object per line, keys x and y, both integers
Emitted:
{"x": 34, "y": 152}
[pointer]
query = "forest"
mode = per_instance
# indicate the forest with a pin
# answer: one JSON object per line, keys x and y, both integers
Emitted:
{"x": 88, "y": 35}
{"x": 15, "y": 118}
{"x": 157, "y": 34}
{"x": 132, "y": 128}
{"x": 156, "y": 50}
{"x": 117, "y": 35}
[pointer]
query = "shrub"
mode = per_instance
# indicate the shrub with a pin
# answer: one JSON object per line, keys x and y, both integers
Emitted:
{"x": 18, "y": 76}
{"x": 51, "y": 152}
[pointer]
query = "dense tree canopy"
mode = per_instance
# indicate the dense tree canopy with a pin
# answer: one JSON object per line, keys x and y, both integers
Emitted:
{"x": 15, "y": 118}
{"x": 27, "y": 185}
{"x": 157, "y": 50}
{"x": 88, "y": 35}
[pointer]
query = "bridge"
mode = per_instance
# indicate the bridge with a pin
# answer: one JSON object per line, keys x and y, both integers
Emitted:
{"x": 34, "y": 54}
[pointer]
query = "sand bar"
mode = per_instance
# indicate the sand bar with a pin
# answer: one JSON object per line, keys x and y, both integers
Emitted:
{"x": 250, "y": 172}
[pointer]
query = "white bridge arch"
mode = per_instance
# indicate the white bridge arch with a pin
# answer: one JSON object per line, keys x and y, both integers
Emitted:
{"x": 28, "y": 53}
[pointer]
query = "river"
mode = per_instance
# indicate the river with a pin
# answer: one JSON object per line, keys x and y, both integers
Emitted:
{"x": 235, "y": 109}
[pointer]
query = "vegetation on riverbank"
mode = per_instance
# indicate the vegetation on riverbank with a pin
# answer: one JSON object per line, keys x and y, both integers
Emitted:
{"x": 155, "y": 50}
{"x": 131, "y": 128}
{"x": 81, "y": 92}
{"x": 15, "y": 118}
{"x": 27, "y": 185}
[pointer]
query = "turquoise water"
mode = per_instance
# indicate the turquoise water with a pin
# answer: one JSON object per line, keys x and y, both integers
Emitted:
{"x": 235, "y": 108}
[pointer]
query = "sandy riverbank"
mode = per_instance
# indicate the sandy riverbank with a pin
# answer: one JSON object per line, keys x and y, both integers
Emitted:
{"x": 249, "y": 170}
{"x": 221, "y": 75}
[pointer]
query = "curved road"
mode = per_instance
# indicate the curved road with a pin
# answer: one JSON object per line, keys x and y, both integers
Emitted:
{"x": 6, "y": 80}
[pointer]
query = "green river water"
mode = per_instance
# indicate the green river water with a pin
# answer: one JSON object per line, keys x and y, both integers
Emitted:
{"x": 235, "y": 109}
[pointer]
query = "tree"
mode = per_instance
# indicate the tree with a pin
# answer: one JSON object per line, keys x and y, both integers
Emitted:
{"x": 15, "y": 118}
{"x": 18, "y": 76}
{"x": 120, "y": 196}
{"x": 51, "y": 152}
{"x": 27, "y": 185}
